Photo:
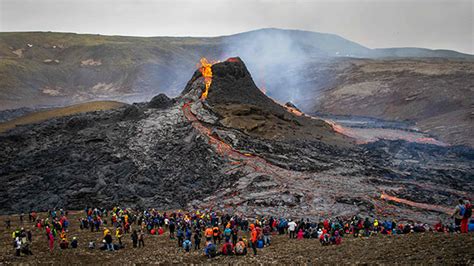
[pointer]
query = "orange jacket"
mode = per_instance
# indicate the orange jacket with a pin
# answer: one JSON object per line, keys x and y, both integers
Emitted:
{"x": 216, "y": 231}
{"x": 209, "y": 232}
{"x": 254, "y": 235}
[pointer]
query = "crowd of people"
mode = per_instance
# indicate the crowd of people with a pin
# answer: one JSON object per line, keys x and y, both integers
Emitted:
{"x": 214, "y": 233}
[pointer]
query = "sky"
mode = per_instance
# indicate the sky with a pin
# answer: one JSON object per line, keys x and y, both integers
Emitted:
{"x": 435, "y": 24}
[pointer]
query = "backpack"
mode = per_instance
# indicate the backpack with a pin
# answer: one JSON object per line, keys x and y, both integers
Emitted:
{"x": 462, "y": 210}
{"x": 211, "y": 250}
{"x": 239, "y": 248}
{"x": 187, "y": 245}
{"x": 468, "y": 211}
{"x": 227, "y": 250}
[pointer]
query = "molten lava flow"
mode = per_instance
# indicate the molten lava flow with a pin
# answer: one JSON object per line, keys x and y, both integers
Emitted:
{"x": 293, "y": 110}
{"x": 416, "y": 204}
{"x": 336, "y": 127}
{"x": 206, "y": 71}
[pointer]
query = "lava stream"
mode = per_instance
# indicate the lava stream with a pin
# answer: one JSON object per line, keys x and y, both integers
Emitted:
{"x": 418, "y": 205}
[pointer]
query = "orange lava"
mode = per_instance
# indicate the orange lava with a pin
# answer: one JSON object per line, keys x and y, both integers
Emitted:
{"x": 418, "y": 205}
{"x": 206, "y": 71}
{"x": 293, "y": 110}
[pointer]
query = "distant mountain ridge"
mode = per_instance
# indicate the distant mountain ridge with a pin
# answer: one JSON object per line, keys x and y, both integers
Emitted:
{"x": 48, "y": 68}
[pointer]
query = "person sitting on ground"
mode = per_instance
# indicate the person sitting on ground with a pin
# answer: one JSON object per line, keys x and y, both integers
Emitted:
{"x": 240, "y": 247}
{"x": 300, "y": 234}
{"x": 91, "y": 244}
{"x": 337, "y": 238}
{"x": 227, "y": 249}
{"x": 187, "y": 245}
{"x": 324, "y": 239}
{"x": 210, "y": 250}
{"x": 74, "y": 242}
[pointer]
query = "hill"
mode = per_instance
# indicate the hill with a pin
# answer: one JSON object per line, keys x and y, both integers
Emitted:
{"x": 40, "y": 116}
{"x": 45, "y": 68}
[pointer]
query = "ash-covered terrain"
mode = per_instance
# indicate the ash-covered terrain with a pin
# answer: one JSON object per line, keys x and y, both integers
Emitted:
{"x": 237, "y": 149}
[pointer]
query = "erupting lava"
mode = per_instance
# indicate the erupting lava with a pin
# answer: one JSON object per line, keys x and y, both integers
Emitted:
{"x": 206, "y": 71}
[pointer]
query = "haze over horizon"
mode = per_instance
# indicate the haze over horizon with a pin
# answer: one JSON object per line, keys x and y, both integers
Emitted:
{"x": 439, "y": 24}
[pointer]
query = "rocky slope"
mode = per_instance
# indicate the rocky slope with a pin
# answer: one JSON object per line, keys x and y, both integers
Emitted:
{"x": 187, "y": 152}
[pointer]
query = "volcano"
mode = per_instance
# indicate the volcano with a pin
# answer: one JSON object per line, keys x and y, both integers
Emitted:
{"x": 223, "y": 144}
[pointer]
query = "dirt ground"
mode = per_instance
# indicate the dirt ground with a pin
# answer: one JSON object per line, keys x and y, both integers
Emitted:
{"x": 413, "y": 248}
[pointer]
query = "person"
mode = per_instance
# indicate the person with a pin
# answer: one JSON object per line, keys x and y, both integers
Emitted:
{"x": 240, "y": 247}
{"x": 467, "y": 215}
{"x": 141, "y": 239}
{"x": 458, "y": 214}
{"x": 29, "y": 236}
{"x": 300, "y": 234}
{"x": 227, "y": 249}
{"x": 292, "y": 229}
{"x": 227, "y": 233}
{"x": 266, "y": 234}
{"x": 25, "y": 247}
{"x": 235, "y": 234}
{"x": 197, "y": 239}
{"x": 367, "y": 225}
{"x": 74, "y": 242}
{"x": 171, "y": 228}
{"x": 17, "y": 246}
{"x": 64, "y": 244}
{"x": 324, "y": 239}
{"x": 253, "y": 238}
{"x": 135, "y": 238}
{"x": 216, "y": 234}
{"x": 180, "y": 236}
{"x": 51, "y": 241}
{"x": 210, "y": 250}
{"x": 187, "y": 245}
{"x": 119, "y": 235}
{"x": 208, "y": 233}
{"x": 108, "y": 241}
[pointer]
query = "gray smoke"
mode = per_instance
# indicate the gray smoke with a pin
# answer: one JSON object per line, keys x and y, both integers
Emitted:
{"x": 273, "y": 58}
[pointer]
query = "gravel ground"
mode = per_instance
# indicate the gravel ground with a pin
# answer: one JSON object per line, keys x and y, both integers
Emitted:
{"x": 405, "y": 249}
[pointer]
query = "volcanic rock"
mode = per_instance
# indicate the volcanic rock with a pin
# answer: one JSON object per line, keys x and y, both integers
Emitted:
{"x": 160, "y": 101}
{"x": 236, "y": 150}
